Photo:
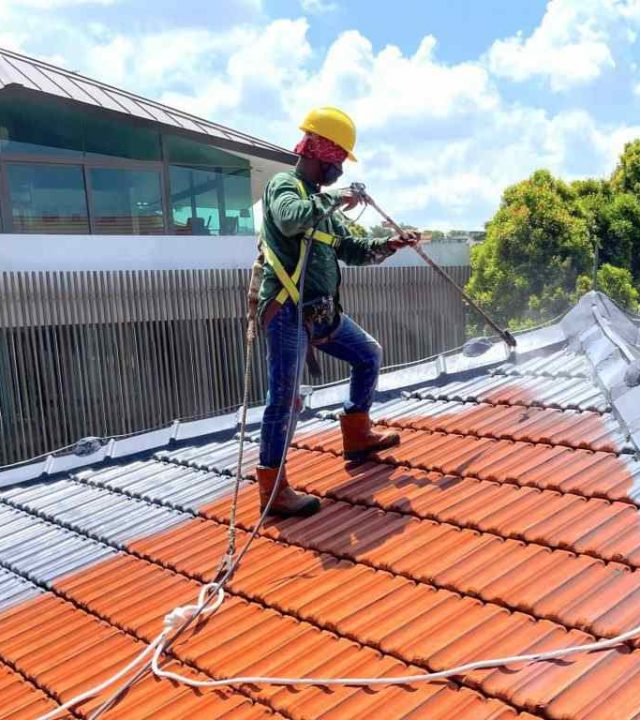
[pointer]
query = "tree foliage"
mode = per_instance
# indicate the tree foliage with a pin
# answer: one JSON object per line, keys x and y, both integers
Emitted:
{"x": 356, "y": 229}
{"x": 537, "y": 245}
{"x": 541, "y": 245}
{"x": 616, "y": 282}
{"x": 380, "y": 231}
{"x": 626, "y": 176}
{"x": 614, "y": 221}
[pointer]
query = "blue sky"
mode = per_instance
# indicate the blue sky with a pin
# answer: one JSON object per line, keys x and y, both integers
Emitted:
{"x": 453, "y": 99}
{"x": 464, "y": 28}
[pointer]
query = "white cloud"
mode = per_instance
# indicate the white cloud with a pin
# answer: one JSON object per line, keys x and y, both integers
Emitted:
{"x": 255, "y": 81}
{"x": 318, "y": 7}
{"x": 574, "y": 44}
{"x": 437, "y": 142}
{"x": 391, "y": 87}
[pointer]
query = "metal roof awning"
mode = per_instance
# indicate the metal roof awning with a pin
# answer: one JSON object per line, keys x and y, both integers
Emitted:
{"x": 20, "y": 74}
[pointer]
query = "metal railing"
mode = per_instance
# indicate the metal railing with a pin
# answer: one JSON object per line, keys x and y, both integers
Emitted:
{"x": 109, "y": 353}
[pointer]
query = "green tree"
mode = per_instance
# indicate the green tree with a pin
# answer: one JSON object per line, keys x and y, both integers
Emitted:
{"x": 380, "y": 231}
{"x": 626, "y": 176}
{"x": 614, "y": 221}
{"x": 356, "y": 229}
{"x": 616, "y": 282}
{"x": 538, "y": 256}
{"x": 537, "y": 245}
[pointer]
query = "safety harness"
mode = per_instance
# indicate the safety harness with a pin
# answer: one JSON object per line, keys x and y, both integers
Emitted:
{"x": 290, "y": 282}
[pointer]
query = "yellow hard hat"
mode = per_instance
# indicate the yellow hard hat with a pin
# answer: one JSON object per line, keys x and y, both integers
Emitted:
{"x": 333, "y": 124}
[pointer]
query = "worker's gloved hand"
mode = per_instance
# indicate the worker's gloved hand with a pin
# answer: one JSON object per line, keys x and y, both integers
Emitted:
{"x": 348, "y": 199}
{"x": 407, "y": 239}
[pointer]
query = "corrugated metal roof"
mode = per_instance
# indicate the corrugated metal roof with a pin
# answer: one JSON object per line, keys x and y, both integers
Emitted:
{"x": 506, "y": 522}
{"x": 35, "y": 75}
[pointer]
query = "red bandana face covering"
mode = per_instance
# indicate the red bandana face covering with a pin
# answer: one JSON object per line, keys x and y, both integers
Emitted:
{"x": 319, "y": 148}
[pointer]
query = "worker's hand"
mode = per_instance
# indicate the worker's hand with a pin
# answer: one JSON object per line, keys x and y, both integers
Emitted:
{"x": 348, "y": 198}
{"x": 407, "y": 239}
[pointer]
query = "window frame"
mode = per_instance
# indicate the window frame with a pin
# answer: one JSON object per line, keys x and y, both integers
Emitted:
{"x": 201, "y": 168}
{"x": 5, "y": 194}
{"x": 149, "y": 166}
{"x": 166, "y": 188}
{"x": 6, "y": 220}
{"x": 86, "y": 164}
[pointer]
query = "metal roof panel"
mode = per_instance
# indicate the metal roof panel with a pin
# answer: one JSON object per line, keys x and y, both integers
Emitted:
{"x": 43, "y": 77}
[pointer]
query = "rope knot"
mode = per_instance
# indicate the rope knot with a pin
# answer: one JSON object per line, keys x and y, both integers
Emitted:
{"x": 179, "y": 615}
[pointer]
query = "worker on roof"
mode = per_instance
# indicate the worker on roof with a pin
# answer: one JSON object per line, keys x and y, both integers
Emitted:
{"x": 293, "y": 203}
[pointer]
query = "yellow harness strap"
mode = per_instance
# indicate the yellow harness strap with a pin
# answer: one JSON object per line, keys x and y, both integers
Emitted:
{"x": 289, "y": 282}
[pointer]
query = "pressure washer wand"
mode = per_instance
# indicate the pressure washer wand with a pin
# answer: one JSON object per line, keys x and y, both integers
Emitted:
{"x": 358, "y": 188}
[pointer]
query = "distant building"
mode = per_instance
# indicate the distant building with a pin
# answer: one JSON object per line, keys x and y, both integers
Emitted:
{"x": 469, "y": 237}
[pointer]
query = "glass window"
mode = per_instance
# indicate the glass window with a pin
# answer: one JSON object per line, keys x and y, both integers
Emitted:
{"x": 30, "y": 126}
{"x": 126, "y": 202}
{"x": 104, "y": 135}
{"x": 47, "y": 199}
{"x": 36, "y": 127}
{"x": 211, "y": 202}
{"x": 238, "y": 203}
{"x": 181, "y": 150}
{"x": 195, "y": 201}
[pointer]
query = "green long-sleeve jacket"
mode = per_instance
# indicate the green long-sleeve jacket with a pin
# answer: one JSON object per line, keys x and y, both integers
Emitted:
{"x": 287, "y": 215}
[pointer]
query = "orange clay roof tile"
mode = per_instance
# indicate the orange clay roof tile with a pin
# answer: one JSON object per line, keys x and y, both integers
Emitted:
{"x": 504, "y": 523}
{"x": 21, "y": 700}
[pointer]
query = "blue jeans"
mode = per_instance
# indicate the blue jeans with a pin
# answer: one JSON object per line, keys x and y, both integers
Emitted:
{"x": 347, "y": 342}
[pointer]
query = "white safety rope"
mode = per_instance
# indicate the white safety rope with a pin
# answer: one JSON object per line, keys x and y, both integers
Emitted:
{"x": 172, "y": 621}
{"x": 103, "y": 686}
{"x": 400, "y": 679}
{"x": 177, "y": 616}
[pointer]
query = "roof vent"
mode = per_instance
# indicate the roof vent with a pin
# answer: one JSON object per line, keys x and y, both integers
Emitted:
{"x": 632, "y": 374}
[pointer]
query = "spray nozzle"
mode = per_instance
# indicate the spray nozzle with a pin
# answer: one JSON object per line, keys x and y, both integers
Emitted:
{"x": 359, "y": 189}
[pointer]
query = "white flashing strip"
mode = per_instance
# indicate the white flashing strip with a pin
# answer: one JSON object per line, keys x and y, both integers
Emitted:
{"x": 23, "y": 473}
{"x": 116, "y": 448}
{"x": 125, "y": 252}
{"x": 34, "y": 253}
{"x": 140, "y": 443}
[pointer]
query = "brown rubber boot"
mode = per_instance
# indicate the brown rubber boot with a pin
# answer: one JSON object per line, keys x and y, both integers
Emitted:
{"x": 288, "y": 502}
{"x": 359, "y": 439}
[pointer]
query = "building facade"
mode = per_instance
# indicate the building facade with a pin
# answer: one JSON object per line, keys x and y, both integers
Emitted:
{"x": 73, "y": 171}
{"x": 78, "y": 157}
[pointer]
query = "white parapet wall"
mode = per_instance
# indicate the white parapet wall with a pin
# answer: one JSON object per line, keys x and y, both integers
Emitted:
{"x": 164, "y": 252}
